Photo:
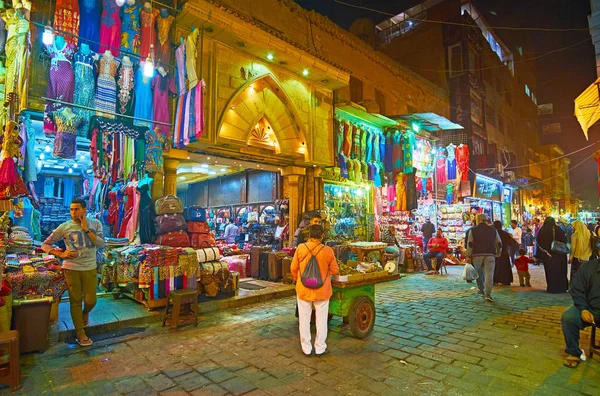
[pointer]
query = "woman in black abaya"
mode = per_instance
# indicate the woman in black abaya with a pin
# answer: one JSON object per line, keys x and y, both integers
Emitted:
{"x": 502, "y": 271}
{"x": 555, "y": 264}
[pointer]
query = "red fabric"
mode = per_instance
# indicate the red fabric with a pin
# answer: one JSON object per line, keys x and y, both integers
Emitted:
{"x": 462, "y": 161}
{"x": 522, "y": 263}
{"x": 442, "y": 242}
{"x": 129, "y": 191}
{"x": 66, "y": 19}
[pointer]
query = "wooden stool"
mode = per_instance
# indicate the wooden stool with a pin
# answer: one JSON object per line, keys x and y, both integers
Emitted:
{"x": 593, "y": 346}
{"x": 182, "y": 308}
{"x": 10, "y": 367}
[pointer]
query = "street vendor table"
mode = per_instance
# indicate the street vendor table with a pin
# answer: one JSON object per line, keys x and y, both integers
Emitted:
{"x": 355, "y": 302}
{"x": 362, "y": 249}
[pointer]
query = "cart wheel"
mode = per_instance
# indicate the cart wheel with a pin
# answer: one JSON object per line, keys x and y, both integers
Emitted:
{"x": 362, "y": 317}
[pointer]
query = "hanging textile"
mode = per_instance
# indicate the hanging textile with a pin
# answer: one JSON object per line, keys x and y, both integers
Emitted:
{"x": 85, "y": 91}
{"x": 17, "y": 53}
{"x": 143, "y": 98}
{"x": 411, "y": 191}
{"x": 451, "y": 162}
{"x": 106, "y": 92}
{"x": 110, "y": 28}
{"x": 89, "y": 26}
{"x": 375, "y": 147}
{"x": 364, "y": 136}
{"x": 408, "y": 147}
{"x": 398, "y": 156}
{"x": 462, "y": 161}
{"x": 66, "y": 19}
{"x": 11, "y": 183}
{"x": 347, "y": 138}
{"x": 69, "y": 188}
{"x": 163, "y": 49}
{"x": 61, "y": 80}
{"x": 148, "y": 33}
{"x": 162, "y": 86}
{"x": 400, "y": 192}
{"x": 356, "y": 136}
{"x": 125, "y": 88}
{"x": 441, "y": 170}
{"x": 146, "y": 210}
{"x": 65, "y": 142}
{"x": 130, "y": 28}
{"x": 30, "y": 168}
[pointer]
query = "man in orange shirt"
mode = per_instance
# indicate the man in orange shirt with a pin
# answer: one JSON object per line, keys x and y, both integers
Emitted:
{"x": 438, "y": 245}
{"x": 308, "y": 297}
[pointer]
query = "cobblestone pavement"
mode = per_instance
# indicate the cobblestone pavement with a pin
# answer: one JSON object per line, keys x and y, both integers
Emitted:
{"x": 433, "y": 335}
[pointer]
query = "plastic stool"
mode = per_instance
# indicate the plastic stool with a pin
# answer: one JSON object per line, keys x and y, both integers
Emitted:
{"x": 182, "y": 308}
{"x": 593, "y": 346}
{"x": 10, "y": 367}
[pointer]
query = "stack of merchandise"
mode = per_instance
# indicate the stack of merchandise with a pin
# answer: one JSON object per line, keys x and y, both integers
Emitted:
{"x": 199, "y": 229}
{"x": 20, "y": 239}
{"x": 171, "y": 226}
{"x": 53, "y": 214}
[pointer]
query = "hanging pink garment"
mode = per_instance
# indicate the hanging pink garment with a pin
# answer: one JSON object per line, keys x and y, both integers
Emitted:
{"x": 132, "y": 225}
{"x": 441, "y": 171}
{"x": 110, "y": 28}
{"x": 129, "y": 193}
{"x": 161, "y": 88}
{"x": 391, "y": 197}
{"x": 199, "y": 103}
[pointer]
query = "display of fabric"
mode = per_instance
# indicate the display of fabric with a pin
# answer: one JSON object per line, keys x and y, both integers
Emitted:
{"x": 163, "y": 45}
{"x": 17, "y": 52}
{"x": 400, "y": 192}
{"x": 85, "y": 92}
{"x": 65, "y": 142}
{"x": 408, "y": 147}
{"x": 143, "y": 98}
{"x": 440, "y": 167}
{"x": 462, "y": 161}
{"x": 148, "y": 32}
{"x": 61, "y": 79}
{"x": 125, "y": 87}
{"x": 28, "y": 152}
{"x": 364, "y": 136}
{"x": 106, "y": 92}
{"x": 37, "y": 283}
{"x": 162, "y": 86}
{"x": 411, "y": 191}
{"x": 110, "y": 27}
{"x": 89, "y": 26}
{"x": 130, "y": 28}
{"x": 11, "y": 183}
{"x": 67, "y": 19}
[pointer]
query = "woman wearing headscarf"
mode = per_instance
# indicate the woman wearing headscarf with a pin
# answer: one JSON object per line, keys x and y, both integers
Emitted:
{"x": 555, "y": 264}
{"x": 581, "y": 247}
{"x": 502, "y": 271}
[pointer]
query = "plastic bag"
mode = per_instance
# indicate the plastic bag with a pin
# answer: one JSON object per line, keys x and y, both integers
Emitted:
{"x": 469, "y": 273}
{"x": 311, "y": 276}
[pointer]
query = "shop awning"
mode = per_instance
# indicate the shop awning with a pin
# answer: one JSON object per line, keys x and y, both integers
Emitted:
{"x": 430, "y": 122}
{"x": 587, "y": 107}
{"x": 354, "y": 112}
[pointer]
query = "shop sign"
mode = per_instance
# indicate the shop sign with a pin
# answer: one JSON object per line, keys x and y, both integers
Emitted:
{"x": 507, "y": 195}
{"x": 487, "y": 188}
{"x": 551, "y": 129}
{"x": 545, "y": 109}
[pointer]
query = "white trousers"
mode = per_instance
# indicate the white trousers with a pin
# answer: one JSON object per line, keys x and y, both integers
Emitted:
{"x": 304, "y": 313}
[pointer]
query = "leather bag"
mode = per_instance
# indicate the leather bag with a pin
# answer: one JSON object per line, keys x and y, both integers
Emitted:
{"x": 170, "y": 223}
{"x": 208, "y": 254}
{"x": 558, "y": 246}
{"x": 174, "y": 239}
{"x": 168, "y": 204}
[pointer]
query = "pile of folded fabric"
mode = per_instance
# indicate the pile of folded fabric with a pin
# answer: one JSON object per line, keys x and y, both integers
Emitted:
{"x": 19, "y": 237}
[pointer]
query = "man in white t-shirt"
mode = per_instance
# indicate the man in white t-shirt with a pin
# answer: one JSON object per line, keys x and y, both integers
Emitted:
{"x": 516, "y": 231}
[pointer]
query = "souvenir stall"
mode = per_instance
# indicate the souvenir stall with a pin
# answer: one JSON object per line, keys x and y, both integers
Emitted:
{"x": 487, "y": 197}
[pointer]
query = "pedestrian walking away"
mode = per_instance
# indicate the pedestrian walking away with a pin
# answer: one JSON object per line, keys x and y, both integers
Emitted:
{"x": 307, "y": 295}
{"x": 585, "y": 311}
{"x": 555, "y": 263}
{"x": 81, "y": 237}
{"x": 483, "y": 246}
{"x": 502, "y": 271}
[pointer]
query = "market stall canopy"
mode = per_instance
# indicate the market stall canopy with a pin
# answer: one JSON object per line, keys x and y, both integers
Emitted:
{"x": 429, "y": 122}
{"x": 587, "y": 107}
{"x": 354, "y": 112}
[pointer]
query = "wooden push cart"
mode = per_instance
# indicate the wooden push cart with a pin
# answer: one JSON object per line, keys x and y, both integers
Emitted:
{"x": 355, "y": 302}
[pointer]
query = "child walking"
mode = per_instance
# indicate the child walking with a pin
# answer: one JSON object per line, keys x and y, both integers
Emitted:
{"x": 522, "y": 264}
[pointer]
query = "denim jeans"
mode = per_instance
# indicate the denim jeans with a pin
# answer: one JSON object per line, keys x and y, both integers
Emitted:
{"x": 485, "y": 268}
{"x": 571, "y": 326}
{"x": 425, "y": 242}
{"x": 439, "y": 257}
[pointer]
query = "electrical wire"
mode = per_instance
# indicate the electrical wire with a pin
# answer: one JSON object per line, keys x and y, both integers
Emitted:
{"x": 563, "y": 173}
{"x": 556, "y": 158}
{"x": 518, "y": 28}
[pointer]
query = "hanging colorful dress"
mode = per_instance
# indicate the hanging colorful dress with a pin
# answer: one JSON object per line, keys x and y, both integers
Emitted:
{"x": 389, "y": 152}
{"x": 162, "y": 86}
{"x": 66, "y": 19}
{"x": 125, "y": 89}
{"x": 65, "y": 142}
{"x": 195, "y": 102}
{"x": 110, "y": 28}
{"x": 11, "y": 183}
{"x": 148, "y": 32}
{"x": 441, "y": 170}
{"x": 30, "y": 168}
{"x": 61, "y": 81}
{"x": 347, "y": 147}
{"x": 356, "y": 136}
{"x": 408, "y": 147}
{"x": 106, "y": 92}
{"x": 400, "y": 192}
{"x": 143, "y": 98}
{"x": 146, "y": 210}
{"x": 17, "y": 53}
{"x": 369, "y": 145}
{"x": 85, "y": 91}
{"x": 364, "y": 136}
{"x": 451, "y": 162}
{"x": 462, "y": 161}
{"x": 398, "y": 157}
{"x": 181, "y": 91}
{"x": 163, "y": 27}
{"x": 130, "y": 28}
{"x": 89, "y": 27}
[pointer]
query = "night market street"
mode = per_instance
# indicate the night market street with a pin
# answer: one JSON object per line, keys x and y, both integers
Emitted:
{"x": 433, "y": 335}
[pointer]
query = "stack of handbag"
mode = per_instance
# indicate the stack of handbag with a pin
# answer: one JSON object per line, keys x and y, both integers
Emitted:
{"x": 199, "y": 230}
{"x": 171, "y": 226}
